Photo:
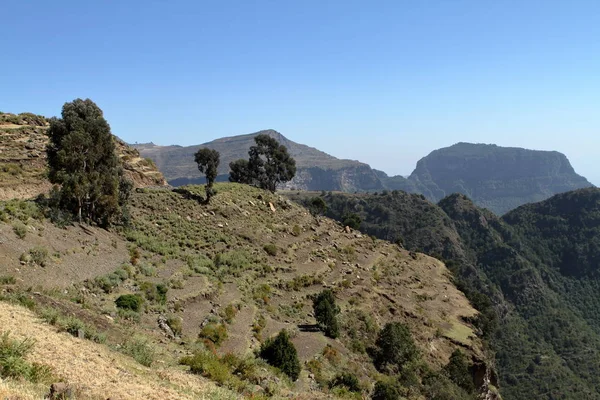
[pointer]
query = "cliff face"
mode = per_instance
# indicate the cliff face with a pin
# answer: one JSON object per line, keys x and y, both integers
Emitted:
{"x": 23, "y": 158}
{"x": 494, "y": 177}
{"x": 316, "y": 170}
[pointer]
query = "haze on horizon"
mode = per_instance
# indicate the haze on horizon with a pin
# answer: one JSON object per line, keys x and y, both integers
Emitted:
{"x": 385, "y": 82}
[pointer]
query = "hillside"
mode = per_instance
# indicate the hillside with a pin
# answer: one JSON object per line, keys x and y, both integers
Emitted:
{"x": 532, "y": 275}
{"x": 497, "y": 178}
{"x": 316, "y": 169}
{"x": 219, "y": 273}
{"x": 23, "y": 158}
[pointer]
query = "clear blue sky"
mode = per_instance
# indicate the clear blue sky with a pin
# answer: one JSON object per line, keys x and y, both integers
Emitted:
{"x": 385, "y": 82}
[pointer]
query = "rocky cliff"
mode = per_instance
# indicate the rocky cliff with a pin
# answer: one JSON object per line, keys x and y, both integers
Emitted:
{"x": 497, "y": 178}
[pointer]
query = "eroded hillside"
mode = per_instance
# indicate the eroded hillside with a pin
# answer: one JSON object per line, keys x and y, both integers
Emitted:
{"x": 233, "y": 273}
{"x": 23, "y": 158}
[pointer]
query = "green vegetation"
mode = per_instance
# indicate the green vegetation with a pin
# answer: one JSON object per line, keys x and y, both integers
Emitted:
{"x": 281, "y": 353}
{"x": 271, "y": 249}
{"x": 13, "y": 363}
{"x": 395, "y": 348}
{"x": 20, "y": 229}
{"x": 269, "y": 164}
{"x": 83, "y": 161}
{"x": 208, "y": 162}
{"x": 326, "y": 312}
{"x": 347, "y": 380}
{"x": 131, "y": 302}
{"x": 140, "y": 349}
{"x": 214, "y": 333}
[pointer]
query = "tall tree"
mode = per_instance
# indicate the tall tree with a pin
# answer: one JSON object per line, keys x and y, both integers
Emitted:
{"x": 208, "y": 162}
{"x": 326, "y": 312}
{"x": 83, "y": 162}
{"x": 270, "y": 163}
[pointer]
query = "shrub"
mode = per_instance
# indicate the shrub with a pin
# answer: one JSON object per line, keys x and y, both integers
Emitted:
{"x": 296, "y": 230}
{"x": 7, "y": 280}
{"x": 385, "y": 390}
{"x": 271, "y": 249}
{"x": 38, "y": 255}
{"x": 155, "y": 292}
{"x": 394, "y": 347}
{"x": 457, "y": 370}
{"x": 20, "y": 229}
{"x": 208, "y": 365}
{"x": 346, "y": 379}
{"x": 13, "y": 363}
{"x": 326, "y": 313}
{"x": 352, "y": 220}
{"x": 215, "y": 333}
{"x": 140, "y": 350}
{"x": 131, "y": 302}
{"x": 175, "y": 323}
{"x": 281, "y": 353}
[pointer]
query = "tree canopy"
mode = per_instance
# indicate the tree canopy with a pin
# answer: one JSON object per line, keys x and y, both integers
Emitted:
{"x": 269, "y": 164}
{"x": 82, "y": 161}
{"x": 208, "y": 162}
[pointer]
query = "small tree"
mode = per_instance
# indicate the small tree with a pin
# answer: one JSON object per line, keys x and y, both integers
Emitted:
{"x": 281, "y": 353}
{"x": 318, "y": 206}
{"x": 352, "y": 220}
{"x": 326, "y": 313}
{"x": 208, "y": 162}
{"x": 82, "y": 160}
{"x": 394, "y": 347}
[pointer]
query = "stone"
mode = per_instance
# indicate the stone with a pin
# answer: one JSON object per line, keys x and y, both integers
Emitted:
{"x": 272, "y": 207}
{"x": 60, "y": 390}
{"x": 348, "y": 230}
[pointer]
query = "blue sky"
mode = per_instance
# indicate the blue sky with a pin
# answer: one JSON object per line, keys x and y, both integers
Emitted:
{"x": 385, "y": 82}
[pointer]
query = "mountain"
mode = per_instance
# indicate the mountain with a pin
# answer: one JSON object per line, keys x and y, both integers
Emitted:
{"x": 316, "y": 170}
{"x": 497, "y": 178}
{"x": 23, "y": 158}
{"x": 533, "y": 275}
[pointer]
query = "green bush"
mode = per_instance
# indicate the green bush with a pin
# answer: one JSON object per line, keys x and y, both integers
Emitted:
{"x": 386, "y": 390}
{"x": 131, "y": 302}
{"x": 140, "y": 350}
{"x": 395, "y": 347}
{"x": 155, "y": 292}
{"x": 271, "y": 249}
{"x": 210, "y": 366}
{"x": 347, "y": 380}
{"x": 176, "y": 324}
{"x": 20, "y": 229}
{"x": 281, "y": 353}
{"x": 38, "y": 255}
{"x": 457, "y": 370}
{"x": 326, "y": 313}
{"x": 7, "y": 280}
{"x": 215, "y": 333}
{"x": 352, "y": 220}
{"x": 13, "y": 363}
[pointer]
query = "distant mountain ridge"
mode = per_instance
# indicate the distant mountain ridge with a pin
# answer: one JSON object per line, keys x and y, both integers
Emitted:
{"x": 317, "y": 170}
{"x": 497, "y": 178}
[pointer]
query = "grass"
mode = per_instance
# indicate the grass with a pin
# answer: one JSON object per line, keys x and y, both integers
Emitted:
{"x": 140, "y": 349}
{"x": 13, "y": 363}
{"x": 72, "y": 325}
{"x": 7, "y": 280}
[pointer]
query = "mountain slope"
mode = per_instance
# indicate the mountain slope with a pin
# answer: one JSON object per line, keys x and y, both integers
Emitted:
{"x": 532, "y": 274}
{"x": 23, "y": 158}
{"x": 316, "y": 169}
{"x": 246, "y": 265}
{"x": 497, "y": 178}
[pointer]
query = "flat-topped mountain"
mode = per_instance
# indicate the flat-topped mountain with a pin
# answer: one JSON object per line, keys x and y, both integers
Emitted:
{"x": 497, "y": 178}
{"x": 494, "y": 177}
{"x": 316, "y": 170}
